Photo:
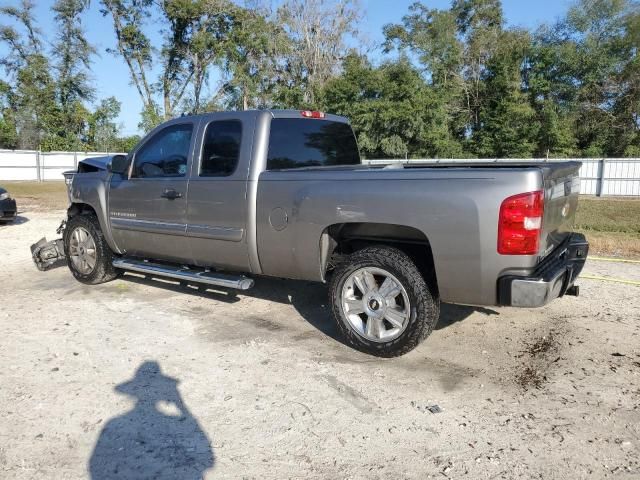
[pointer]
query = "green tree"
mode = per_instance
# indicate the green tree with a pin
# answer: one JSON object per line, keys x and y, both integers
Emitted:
{"x": 19, "y": 46}
{"x": 319, "y": 31}
{"x": 508, "y": 123}
{"x": 126, "y": 144}
{"x": 432, "y": 36}
{"x": 459, "y": 83}
{"x": 393, "y": 111}
{"x": 196, "y": 33}
{"x": 627, "y": 105}
{"x": 589, "y": 64}
{"x": 44, "y": 95}
{"x": 480, "y": 25}
{"x": 30, "y": 108}
{"x": 8, "y": 132}
{"x": 134, "y": 46}
{"x": 73, "y": 53}
{"x": 454, "y": 49}
{"x": 103, "y": 129}
{"x": 253, "y": 61}
{"x": 552, "y": 93}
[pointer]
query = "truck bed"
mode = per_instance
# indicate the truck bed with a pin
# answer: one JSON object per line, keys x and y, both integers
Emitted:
{"x": 454, "y": 205}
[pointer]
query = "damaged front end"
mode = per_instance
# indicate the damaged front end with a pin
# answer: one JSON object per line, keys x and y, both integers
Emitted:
{"x": 47, "y": 255}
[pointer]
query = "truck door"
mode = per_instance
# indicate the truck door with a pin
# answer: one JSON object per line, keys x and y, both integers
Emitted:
{"x": 147, "y": 208}
{"x": 217, "y": 206}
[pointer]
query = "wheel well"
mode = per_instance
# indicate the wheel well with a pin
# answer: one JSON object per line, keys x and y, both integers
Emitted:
{"x": 342, "y": 239}
{"x": 80, "y": 209}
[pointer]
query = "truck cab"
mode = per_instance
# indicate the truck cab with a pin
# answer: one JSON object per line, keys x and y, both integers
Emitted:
{"x": 194, "y": 180}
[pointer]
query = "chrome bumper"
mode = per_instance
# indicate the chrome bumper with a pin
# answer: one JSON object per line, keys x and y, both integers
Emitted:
{"x": 553, "y": 278}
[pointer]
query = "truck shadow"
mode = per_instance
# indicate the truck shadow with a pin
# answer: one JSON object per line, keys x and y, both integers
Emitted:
{"x": 451, "y": 313}
{"x": 309, "y": 299}
{"x": 157, "y": 438}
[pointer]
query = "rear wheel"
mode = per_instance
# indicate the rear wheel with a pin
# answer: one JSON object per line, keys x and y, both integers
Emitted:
{"x": 381, "y": 302}
{"x": 88, "y": 254}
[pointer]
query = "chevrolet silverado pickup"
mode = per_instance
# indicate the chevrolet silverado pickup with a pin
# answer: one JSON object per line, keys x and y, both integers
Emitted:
{"x": 224, "y": 198}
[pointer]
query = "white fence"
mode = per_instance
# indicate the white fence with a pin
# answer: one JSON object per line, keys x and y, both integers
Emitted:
{"x": 34, "y": 165}
{"x": 599, "y": 176}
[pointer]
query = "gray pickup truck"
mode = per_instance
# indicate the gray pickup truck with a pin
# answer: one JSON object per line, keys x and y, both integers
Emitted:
{"x": 224, "y": 197}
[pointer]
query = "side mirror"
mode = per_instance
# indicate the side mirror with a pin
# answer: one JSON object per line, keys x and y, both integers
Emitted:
{"x": 119, "y": 164}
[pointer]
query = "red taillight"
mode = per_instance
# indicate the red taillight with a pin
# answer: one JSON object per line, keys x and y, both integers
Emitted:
{"x": 520, "y": 224}
{"x": 312, "y": 114}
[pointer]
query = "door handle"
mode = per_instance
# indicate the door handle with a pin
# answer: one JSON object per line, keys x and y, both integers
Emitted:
{"x": 171, "y": 194}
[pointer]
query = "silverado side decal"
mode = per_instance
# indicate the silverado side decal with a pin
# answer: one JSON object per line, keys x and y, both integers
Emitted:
{"x": 124, "y": 214}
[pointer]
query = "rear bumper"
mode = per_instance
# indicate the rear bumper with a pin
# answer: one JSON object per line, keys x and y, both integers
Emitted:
{"x": 551, "y": 279}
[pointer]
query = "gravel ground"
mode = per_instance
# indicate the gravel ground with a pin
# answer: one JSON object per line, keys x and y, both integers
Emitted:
{"x": 138, "y": 377}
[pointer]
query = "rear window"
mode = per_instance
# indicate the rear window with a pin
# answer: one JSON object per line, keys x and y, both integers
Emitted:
{"x": 298, "y": 142}
{"x": 221, "y": 148}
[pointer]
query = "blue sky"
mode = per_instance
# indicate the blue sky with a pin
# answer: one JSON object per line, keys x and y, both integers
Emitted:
{"x": 111, "y": 77}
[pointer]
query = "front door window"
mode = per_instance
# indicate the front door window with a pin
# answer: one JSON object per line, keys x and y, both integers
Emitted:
{"x": 165, "y": 154}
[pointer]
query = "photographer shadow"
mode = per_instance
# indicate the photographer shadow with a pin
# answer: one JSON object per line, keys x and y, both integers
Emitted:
{"x": 158, "y": 438}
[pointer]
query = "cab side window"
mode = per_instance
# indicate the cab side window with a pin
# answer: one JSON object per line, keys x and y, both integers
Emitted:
{"x": 221, "y": 148}
{"x": 165, "y": 154}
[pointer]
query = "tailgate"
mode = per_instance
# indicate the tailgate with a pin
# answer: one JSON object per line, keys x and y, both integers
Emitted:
{"x": 561, "y": 189}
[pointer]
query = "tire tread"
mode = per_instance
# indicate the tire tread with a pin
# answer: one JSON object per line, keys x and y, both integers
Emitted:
{"x": 104, "y": 271}
{"x": 425, "y": 302}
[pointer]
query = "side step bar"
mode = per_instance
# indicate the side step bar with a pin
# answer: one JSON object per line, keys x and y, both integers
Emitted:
{"x": 238, "y": 282}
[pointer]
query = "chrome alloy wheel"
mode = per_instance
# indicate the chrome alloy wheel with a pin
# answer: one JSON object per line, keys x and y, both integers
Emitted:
{"x": 376, "y": 304}
{"x": 82, "y": 251}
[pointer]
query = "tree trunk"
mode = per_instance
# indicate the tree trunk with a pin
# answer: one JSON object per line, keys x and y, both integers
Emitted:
{"x": 168, "y": 113}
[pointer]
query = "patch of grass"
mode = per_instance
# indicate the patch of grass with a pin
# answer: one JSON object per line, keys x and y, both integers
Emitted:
{"x": 608, "y": 214}
{"x": 613, "y": 244}
{"x": 611, "y": 225}
{"x": 50, "y": 195}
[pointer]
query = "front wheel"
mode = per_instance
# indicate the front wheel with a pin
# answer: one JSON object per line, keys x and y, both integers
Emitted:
{"x": 88, "y": 254}
{"x": 381, "y": 302}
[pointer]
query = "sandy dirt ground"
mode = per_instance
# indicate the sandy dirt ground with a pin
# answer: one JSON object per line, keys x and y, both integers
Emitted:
{"x": 141, "y": 378}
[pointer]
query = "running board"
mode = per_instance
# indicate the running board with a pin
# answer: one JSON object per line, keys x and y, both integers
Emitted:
{"x": 238, "y": 282}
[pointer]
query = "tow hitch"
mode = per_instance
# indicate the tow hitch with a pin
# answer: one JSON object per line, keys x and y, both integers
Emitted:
{"x": 48, "y": 254}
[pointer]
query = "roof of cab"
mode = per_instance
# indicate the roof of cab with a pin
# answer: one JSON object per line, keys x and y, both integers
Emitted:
{"x": 274, "y": 114}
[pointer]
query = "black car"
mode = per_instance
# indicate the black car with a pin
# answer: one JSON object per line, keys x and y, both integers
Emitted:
{"x": 8, "y": 207}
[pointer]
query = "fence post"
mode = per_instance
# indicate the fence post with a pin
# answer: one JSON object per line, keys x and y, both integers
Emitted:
{"x": 38, "y": 165}
{"x": 601, "y": 178}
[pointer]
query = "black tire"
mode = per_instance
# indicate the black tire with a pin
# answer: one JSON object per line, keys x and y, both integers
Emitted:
{"x": 425, "y": 304}
{"x": 103, "y": 271}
